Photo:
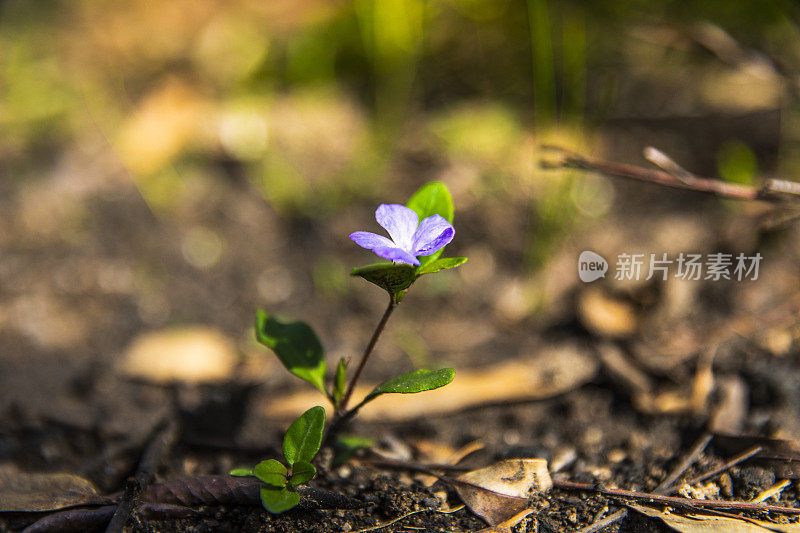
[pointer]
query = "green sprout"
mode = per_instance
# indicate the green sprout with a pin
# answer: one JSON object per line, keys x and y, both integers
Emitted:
{"x": 301, "y": 443}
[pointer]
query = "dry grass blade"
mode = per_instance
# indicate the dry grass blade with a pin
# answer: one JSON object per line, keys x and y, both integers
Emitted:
{"x": 506, "y": 525}
{"x": 403, "y": 517}
{"x": 605, "y": 522}
{"x": 703, "y": 523}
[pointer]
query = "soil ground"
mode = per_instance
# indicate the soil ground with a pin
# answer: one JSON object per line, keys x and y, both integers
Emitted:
{"x": 75, "y": 298}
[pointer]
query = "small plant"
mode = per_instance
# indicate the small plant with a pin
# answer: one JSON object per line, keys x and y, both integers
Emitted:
{"x": 300, "y": 445}
{"x": 419, "y": 232}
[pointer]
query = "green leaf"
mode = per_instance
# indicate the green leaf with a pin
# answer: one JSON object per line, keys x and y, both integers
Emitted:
{"x": 417, "y": 381}
{"x": 391, "y": 277}
{"x": 304, "y": 436}
{"x": 296, "y": 346}
{"x": 340, "y": 381}
{"x": 278, "y": 500}
{"x": 346, "y": 445}
{"x": 442, "y": 264}
{"x": 432, "y": 199}
{"x": 271, "y": 472}
{"x": 239, "y": 472}
{"x": 302, "y": 472}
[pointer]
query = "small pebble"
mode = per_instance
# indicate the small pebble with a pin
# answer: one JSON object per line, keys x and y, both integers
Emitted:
{"x": 431, "y": 502}
{"x": 572, "y": 516}
{"x": 617, "y": 456}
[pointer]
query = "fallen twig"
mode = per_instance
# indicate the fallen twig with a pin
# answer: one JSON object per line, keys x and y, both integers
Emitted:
{"x": 403, "y": 517}
{"x": 771, "y": 190}
{"x": 163, "y": 440}
{"x": 130, "y": 501}
{"x": 701, "y": 444}
{"x": 605, "y": 522}
{"x": 686, "y": 503}
{"x": 742, "y": 457}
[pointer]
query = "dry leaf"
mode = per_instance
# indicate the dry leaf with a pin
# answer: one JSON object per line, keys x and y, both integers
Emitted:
{"x": 693, "y": 523}
{"x": 24, "y": 492}
{"x": 163, "y": 125}
{"x": 433, "y": 452}
{"x": 190, "y": 354}
{"x": 622, "y": 369}
{"x": 606, "y": 316}
{"x": 553, "y": 370}
{"x": 498, "y": 492}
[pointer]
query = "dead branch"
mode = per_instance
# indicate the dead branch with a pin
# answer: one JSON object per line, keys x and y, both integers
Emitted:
{"x": 742, "y": 457}
{"x": 673, "y": 501}
{"x": 771, "y": 190}
{"x": 701, "y": 444}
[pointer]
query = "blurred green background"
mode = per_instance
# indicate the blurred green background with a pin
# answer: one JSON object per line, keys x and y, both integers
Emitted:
{"x": 186, "y": 161}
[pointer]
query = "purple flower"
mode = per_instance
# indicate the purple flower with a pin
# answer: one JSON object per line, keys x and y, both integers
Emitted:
{"x": 409, "y": 237}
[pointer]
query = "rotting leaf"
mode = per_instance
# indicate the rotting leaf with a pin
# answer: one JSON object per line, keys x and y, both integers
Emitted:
{"x": 499, "y": 491}
{"x": 699, "y": 523}
{"x": 21, "y": 491}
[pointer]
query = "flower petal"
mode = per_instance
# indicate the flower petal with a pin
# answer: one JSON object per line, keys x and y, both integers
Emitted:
{"x": 433, "y": 233}
{"x": 401, "y": 223}
{"x": 398, "y": 255}
{"x": 370, "y": 241}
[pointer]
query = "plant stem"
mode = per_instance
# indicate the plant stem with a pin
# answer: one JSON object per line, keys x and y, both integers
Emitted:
{"x": 367, "y": 352}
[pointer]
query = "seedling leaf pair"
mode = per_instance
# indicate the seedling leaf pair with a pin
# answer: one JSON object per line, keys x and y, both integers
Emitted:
{"x": 300, "y": 445}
